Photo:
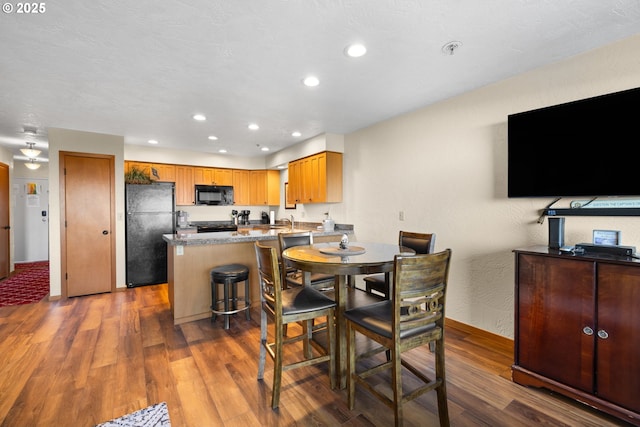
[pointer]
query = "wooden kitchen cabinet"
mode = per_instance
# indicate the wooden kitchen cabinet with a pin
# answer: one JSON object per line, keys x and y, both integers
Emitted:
{"x": 185, "y": 191}
{"x": 212, "y": 176}
{"x": 578, "y": 328}
{"x": 264, "y": 187}
{"x": 163, "y": 172}
{"x": 316, "y": 179}
{"x": 241, "y": 193}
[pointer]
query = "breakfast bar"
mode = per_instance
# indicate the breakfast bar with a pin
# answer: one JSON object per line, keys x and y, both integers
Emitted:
{"x": 191, "y": 256}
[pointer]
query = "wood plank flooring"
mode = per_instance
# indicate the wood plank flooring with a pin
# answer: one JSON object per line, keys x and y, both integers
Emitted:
{"x": 85, "y": 360}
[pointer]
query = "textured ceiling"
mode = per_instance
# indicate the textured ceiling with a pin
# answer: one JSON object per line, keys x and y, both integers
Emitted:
{"x": 142, "y": 68}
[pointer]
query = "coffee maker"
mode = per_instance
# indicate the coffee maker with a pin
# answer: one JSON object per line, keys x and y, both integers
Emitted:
{"x": 244, "y": 217}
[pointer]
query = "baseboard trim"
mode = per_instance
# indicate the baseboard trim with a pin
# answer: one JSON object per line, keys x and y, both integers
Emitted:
{"x": 498, "y": 339}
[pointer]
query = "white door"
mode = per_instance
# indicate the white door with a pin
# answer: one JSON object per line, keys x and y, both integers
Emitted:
{"x": 31, "y": 220}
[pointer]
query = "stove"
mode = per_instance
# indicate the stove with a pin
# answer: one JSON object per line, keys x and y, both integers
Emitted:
{"x": 214, "y": 228}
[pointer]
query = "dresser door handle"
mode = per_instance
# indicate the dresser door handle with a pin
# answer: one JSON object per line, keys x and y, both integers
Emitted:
{"x": 603, "y": 334}
{"x": 587, "y": 330}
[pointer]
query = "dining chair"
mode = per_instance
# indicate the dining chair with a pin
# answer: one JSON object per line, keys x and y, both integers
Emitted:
{"x": 422, "y": 243}
{"x": 284, "y": 306}
{"x": 414, "y": 316}
{"x": 292, "y": 276}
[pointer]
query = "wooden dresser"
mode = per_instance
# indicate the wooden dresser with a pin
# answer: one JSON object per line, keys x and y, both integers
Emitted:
{"x": 577, "y": 328}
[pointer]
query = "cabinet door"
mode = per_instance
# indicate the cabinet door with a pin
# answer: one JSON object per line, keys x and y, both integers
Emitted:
{"x": 241, "y": 187}
{"x": 163, "y": 172}
{"x": 295, "y": 182}
{"x": 185, "y": 192}
{"x": 203, "y": 176}
{"x": 618, "y": 335}
{"x": 318, "y": 178}
{"x": 556, "y": 301}
{"x": 273, "y": 187}
{"x": 223, "y": 176}
{"x": 258, "y": 187}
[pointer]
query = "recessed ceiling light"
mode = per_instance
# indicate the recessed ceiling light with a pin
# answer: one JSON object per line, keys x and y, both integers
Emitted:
{"x": 265, "y": 148}
{"x": 254, "y": 126}
{"x": 152, "y": 141}
{"x": 282, "y": 167}
{"x": 222, "y": 150}
{"x": 199, "y": 117}
{"x": 355, "y": 50}
{"x": 213, "y": 137}
{"x": 311, "y": 81}
{"x": 296, "y": 134}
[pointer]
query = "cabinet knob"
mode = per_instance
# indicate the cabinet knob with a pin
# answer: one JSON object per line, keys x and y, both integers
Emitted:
{"x": 587, "y": 330}
{"x": 603, "y": 334}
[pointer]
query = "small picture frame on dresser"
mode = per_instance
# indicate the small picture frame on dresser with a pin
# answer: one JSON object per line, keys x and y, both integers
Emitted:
{"x": 606, "y": 237}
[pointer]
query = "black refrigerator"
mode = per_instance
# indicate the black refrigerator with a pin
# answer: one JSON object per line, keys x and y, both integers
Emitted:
{"x": 150, "y": 211}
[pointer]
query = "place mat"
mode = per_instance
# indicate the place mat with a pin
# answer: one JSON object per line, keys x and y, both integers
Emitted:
{"x": 351, "y": 250}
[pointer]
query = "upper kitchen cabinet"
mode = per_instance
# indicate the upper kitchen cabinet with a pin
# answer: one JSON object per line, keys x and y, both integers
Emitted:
{"x": 163, "y": 172}
{"x": 156, "y": 171}
{"x": 184, "y": 185}
{"x": 212, "y": 176}
{"x": 264, "y": 187}
{"x": 316, "y": 179}
{"x": 241, "y": 192}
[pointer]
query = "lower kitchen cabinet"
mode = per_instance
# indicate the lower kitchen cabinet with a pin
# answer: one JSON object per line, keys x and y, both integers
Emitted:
{"x": 577, "y": 328}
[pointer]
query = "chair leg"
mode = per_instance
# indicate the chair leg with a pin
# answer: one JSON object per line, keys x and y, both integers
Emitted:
{"x": 351, "y": 366}
{"x": 263, "y": 344}
{"x": 277, "y": 365}
{"x": 247, "y": 300}
{"x": 396, "y": 385}
{"x": 227, "y": 284}
{"x": 441, "y": 391}
{"x": 332, "y": 349}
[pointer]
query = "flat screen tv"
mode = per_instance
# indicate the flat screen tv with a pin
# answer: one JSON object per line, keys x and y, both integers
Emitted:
{"x": 588, "y": 148}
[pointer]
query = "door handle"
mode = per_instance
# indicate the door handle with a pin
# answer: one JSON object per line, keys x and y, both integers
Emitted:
{"x": 105, "y": 232}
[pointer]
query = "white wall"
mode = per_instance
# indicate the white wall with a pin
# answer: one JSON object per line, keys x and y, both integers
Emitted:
{"x": 445, "y": 167}
{"x": 83, "y": 142}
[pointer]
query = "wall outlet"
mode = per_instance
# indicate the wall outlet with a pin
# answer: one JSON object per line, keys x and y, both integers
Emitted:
{"x": 401, "y": 216}
{"x": 179, "y": 250}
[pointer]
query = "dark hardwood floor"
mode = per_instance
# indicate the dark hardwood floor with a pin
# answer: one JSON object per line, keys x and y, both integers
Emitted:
{"x": 85, "y": 360}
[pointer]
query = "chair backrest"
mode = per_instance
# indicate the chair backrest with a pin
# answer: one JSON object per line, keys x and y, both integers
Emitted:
{"x": 298, "y": 238}
{"x": 420, "y": 290}
{"x": 269, "y": 277}
{"x": 422, "y": 243}
{"x": 288, "y": 240}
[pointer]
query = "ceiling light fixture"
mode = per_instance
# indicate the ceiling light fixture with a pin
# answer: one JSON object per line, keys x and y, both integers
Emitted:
{"x": 199, "y": 117}
{"x": 213, "y": 137}
{"x": 295, "y": 134}
{"x": 311, "y": 81}
{"x": 265, "y": 148}
{"x": 31, "y": 164}
{"x": 30, "y": 151}
{"x": 355, "y": 50}
{"x": 451, "y": 47}
{"x": 222, "y": 150}
{"x": 30, "y": 132}
{"x": 152, "y": 141}
{"x": 254, "y": 126}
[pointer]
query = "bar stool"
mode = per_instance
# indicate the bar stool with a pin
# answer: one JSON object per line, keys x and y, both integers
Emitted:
{"x": 228, "y": 276}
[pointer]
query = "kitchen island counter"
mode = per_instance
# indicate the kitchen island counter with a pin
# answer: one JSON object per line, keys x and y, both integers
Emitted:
{"x": 191, "y": 256}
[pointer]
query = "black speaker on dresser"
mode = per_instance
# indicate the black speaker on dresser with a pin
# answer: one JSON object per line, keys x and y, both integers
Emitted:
{"x": 556, "y": 232}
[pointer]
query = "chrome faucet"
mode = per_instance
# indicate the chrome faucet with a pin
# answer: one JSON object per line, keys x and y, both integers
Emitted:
{"x": 292, "y": 222}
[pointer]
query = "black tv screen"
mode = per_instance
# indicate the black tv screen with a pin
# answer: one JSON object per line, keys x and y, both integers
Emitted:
{"x": 583, "y": 148}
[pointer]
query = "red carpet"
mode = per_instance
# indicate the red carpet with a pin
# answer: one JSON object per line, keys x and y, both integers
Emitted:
{"x": 28, "y": 284}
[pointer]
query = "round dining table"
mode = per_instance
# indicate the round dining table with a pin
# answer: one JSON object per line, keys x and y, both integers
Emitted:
{"x": 358, "y": 258}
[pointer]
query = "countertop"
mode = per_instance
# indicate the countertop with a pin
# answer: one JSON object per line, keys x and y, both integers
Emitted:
{"x": 250, "y": 233}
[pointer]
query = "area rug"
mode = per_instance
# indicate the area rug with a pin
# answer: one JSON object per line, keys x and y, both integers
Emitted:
{"x": 28, "y": 284}
{"x": 152, "y": 416}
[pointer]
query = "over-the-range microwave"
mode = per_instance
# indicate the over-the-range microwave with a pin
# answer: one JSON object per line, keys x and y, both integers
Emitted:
{"x": 214, "y": 195}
